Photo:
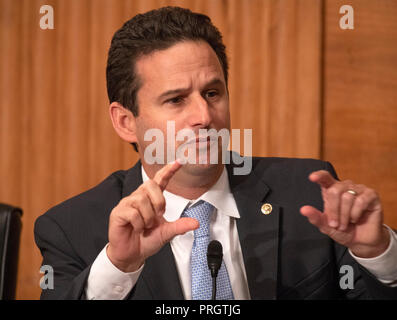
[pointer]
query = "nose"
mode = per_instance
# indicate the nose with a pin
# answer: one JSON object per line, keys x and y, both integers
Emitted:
{"x": 199, "y": 113}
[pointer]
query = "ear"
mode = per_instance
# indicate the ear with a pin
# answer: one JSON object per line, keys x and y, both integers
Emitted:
{"x": 123, "y": 122}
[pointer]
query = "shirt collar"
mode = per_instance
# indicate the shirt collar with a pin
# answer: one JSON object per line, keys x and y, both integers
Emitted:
{"x": 219, "y": 195}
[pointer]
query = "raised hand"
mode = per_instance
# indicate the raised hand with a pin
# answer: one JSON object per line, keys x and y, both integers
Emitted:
{"x": 137, "y": 228}
{"x": 352, "y": 215}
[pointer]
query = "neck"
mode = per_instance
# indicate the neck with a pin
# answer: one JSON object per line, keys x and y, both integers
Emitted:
{"x": 189, "y": 182}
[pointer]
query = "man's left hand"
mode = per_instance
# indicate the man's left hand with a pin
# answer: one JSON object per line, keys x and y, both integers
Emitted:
{"x": 352, "y": 215}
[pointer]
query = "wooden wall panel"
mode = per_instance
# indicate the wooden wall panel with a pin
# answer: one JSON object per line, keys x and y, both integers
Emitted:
{"x": 275, "y": 53}
{"x": 56, "y": 138}
{"x": 360, "y": 97}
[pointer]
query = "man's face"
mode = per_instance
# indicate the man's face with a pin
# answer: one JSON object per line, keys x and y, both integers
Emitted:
{"x": 184, "y": 84}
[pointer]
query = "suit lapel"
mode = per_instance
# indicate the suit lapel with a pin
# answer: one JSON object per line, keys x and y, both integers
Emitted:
{"x": 258, "y": 233}
{"x": 159, "y": 274}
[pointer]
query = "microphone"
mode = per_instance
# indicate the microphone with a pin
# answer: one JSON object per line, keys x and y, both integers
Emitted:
{"x": 214, "y": 258}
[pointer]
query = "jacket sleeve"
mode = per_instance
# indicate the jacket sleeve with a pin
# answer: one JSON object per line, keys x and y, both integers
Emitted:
{"x": 363, "y": 285}
{"x": 70, "y": 272}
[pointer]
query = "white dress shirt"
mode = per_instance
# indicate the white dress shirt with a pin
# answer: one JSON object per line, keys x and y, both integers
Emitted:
{"x": 105, "y": 281}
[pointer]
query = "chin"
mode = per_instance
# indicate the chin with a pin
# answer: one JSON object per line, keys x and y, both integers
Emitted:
{"x": 202, "y": 169}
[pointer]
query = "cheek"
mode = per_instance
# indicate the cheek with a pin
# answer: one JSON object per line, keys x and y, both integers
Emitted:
{"x": 222, "y": 117}
{"x": 143, "y": 126}
{"x": 159, "y": 135}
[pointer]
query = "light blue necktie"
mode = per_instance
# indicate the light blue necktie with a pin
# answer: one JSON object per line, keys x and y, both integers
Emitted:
{"x": 201, "y": 274}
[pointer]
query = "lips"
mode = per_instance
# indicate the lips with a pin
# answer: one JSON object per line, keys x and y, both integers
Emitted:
{"x": 199, "y": 140}
{"x": 203, "y": 139}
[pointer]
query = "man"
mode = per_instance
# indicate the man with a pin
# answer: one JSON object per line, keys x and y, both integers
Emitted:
{"x": 287, "y": 227}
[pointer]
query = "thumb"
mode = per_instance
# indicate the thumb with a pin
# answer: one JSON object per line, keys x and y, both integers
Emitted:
{"x": 316, "y": 218}
{"x": 178, "y": 227}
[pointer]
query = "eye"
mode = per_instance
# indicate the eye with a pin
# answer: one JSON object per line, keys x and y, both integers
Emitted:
{"x": 211, "y": 94}
{"x": 175, "y": 100}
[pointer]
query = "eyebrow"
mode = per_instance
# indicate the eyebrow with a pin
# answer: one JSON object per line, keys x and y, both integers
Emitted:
{"x": 167, "y": 93}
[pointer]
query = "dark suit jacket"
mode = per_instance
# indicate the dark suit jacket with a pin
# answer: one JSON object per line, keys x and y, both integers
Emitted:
{"x": 285, "y": 256}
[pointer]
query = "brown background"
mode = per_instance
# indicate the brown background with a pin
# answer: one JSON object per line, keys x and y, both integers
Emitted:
{"x": 306, "y": 87}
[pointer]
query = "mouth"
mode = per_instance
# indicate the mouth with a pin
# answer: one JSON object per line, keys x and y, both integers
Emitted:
{"x": 201, "y": 141}
{"x": 198, "y": 149}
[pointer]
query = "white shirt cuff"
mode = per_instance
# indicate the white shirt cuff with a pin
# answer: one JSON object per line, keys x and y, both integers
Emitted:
{"x": 384, "y": 266}
{"x": 107, "y": 282}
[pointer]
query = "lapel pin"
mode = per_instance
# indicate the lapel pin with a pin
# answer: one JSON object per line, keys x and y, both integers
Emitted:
{"x": 266, "y": 208}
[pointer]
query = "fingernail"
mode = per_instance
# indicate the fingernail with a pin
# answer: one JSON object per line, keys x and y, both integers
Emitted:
{"x": 333, "y": 223}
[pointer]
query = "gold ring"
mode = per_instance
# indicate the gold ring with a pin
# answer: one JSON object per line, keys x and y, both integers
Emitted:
{"x": 354, "y": 193}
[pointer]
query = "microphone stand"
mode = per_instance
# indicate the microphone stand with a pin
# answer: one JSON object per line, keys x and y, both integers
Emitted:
{"x": 213, "y": 288}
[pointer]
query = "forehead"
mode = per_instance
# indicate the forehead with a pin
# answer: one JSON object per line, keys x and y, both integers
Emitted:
{"x": 184, "y": 63}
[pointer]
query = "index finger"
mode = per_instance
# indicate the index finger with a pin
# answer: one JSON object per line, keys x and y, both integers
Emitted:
{"x": 323, "y": 178}
{"x": 164, "y": 175}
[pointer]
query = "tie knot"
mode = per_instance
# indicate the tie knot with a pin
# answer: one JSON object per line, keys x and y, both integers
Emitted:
{"x": 201, "y": 212}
